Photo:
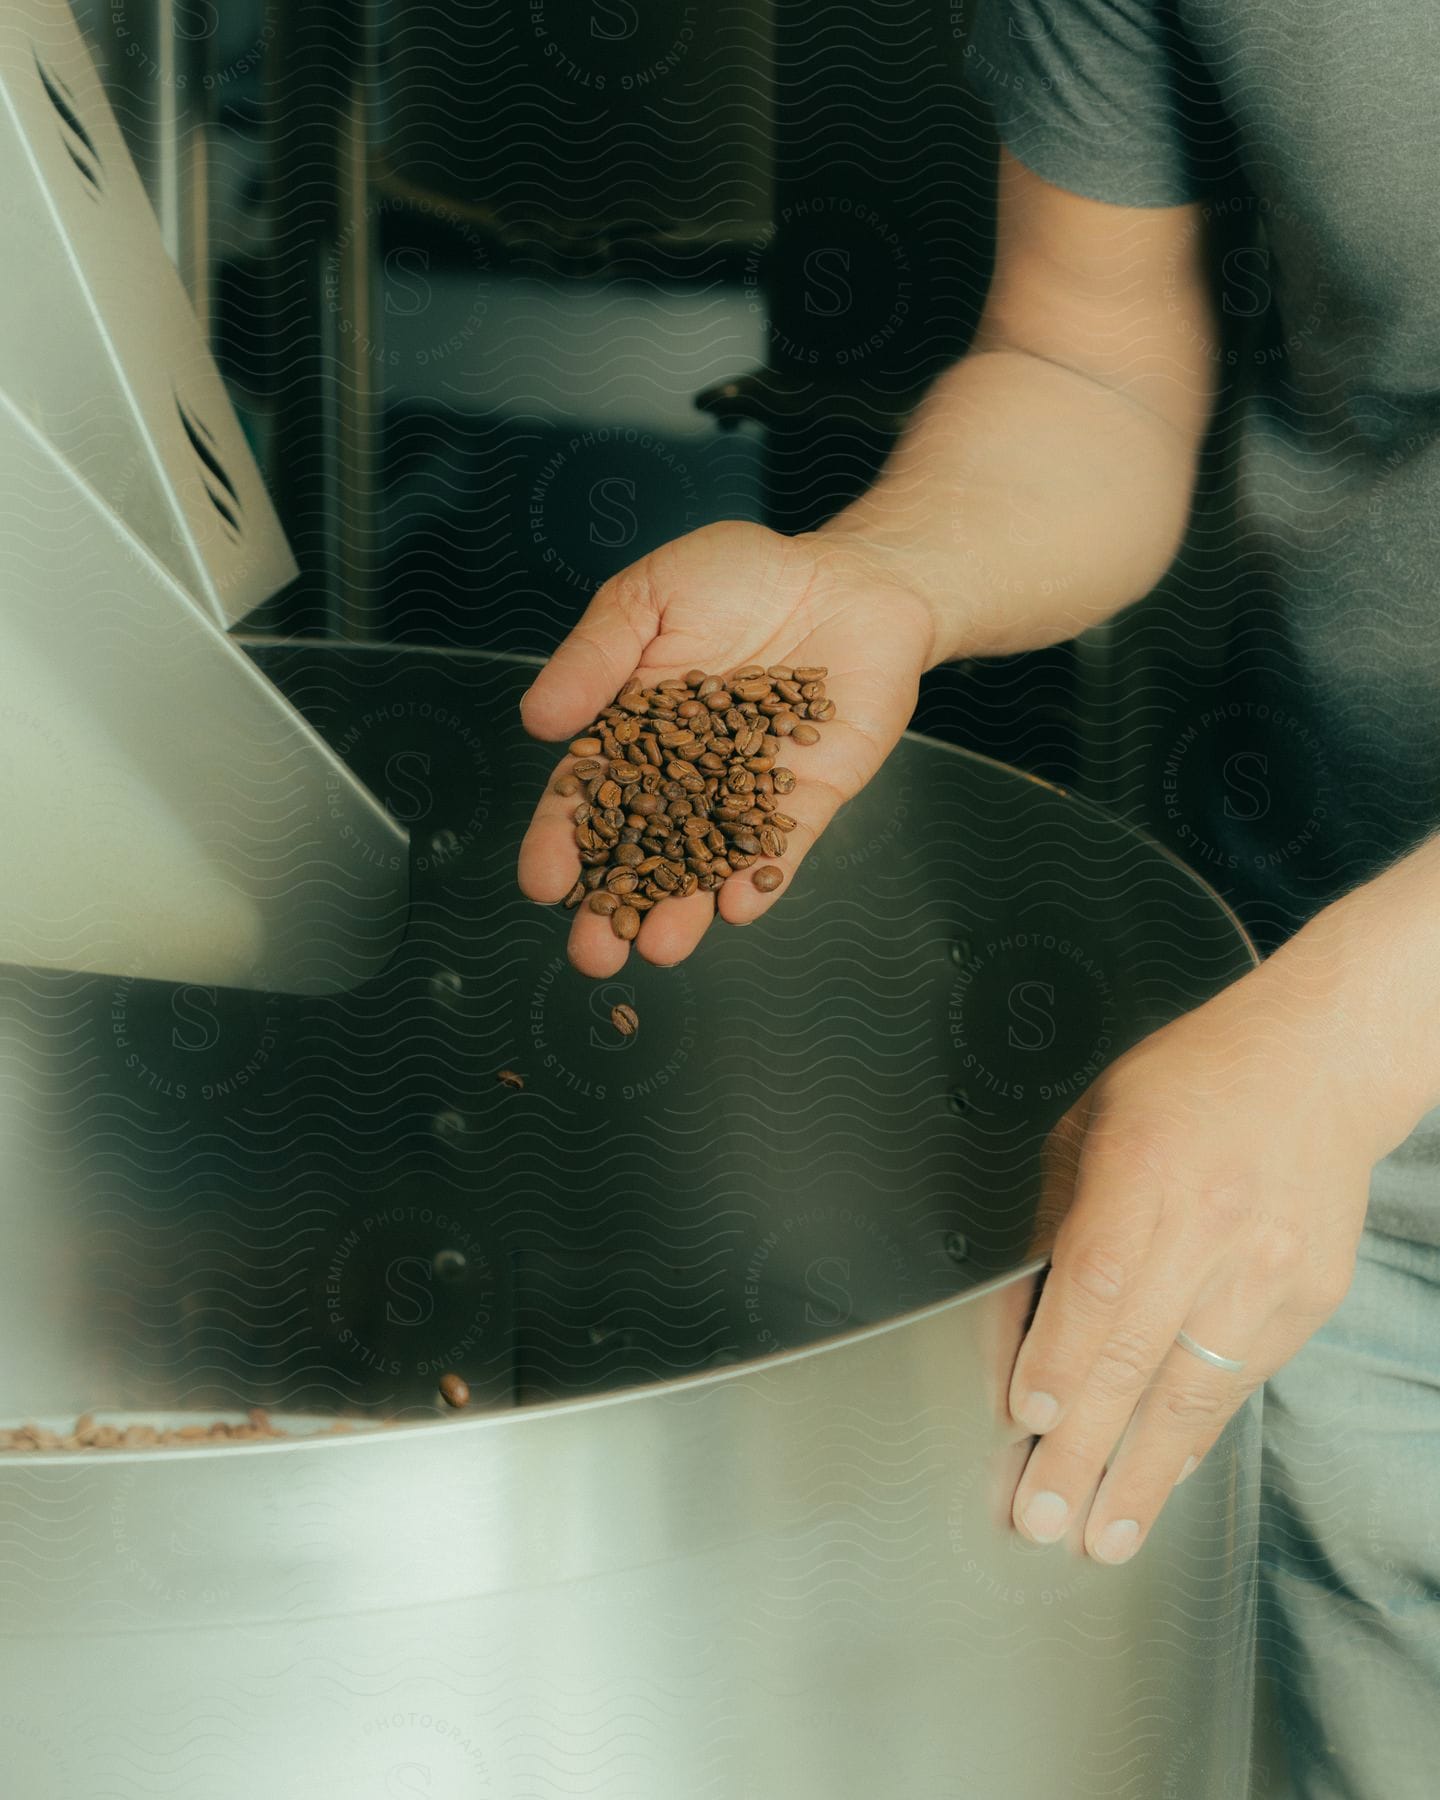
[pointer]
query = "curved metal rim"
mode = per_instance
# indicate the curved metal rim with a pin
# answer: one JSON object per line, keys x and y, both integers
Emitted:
{"x": 490, "y": 1421}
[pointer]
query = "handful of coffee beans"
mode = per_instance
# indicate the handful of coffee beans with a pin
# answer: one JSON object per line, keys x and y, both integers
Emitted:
{"x": 679, "y": 786}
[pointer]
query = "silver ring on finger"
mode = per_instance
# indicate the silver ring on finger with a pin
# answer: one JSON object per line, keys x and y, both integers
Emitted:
{"x": 1216, "y": 1361}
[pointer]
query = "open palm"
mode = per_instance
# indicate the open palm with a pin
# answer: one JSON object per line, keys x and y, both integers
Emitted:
{"x": 723, "y": 597}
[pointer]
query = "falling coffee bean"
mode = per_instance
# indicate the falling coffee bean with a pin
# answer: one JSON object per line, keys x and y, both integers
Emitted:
{"x": 454, "y": 1390}
{"x": 509, "y": 1079}
{"x": 767, "y": 878}
{"x": 625, "y": 1019}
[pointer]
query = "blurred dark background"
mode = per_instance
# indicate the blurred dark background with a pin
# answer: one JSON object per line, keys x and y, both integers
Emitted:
{"x": 509, "y": 291}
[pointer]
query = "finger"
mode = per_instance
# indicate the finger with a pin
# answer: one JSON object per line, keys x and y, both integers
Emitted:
{"x": 738, "y": 899}
{"x": 1102, "y": 1254}
{"x": 1068, "y": 1461}
{"x": 672, "y": 928}
{"x": 549, "y": 862}
{"x": 1060, "y": 1175}
{"x": 1189, "y": 1402}
{"x": 594, "y": 948}
{"x": 599, "y": 656}
{"x": 1283, "y": 1336}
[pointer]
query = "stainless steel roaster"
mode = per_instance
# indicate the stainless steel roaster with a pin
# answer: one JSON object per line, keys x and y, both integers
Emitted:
{"x": 737, "y": 1297}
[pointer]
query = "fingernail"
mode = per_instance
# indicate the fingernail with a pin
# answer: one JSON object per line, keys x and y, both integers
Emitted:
{"x": 1117, "y": 1542}
{"x": 1045, "y": 1515}
{"x": 1191, "y": 1464}
{"x": 1038, "y": 1411}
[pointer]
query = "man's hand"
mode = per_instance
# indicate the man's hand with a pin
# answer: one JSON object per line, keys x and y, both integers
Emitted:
{"x": 1213, "y": 1181}
{"x": 723, "y": 597}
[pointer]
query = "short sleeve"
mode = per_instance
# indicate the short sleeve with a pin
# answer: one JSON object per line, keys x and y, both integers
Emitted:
{"x": 1105, "y": 98}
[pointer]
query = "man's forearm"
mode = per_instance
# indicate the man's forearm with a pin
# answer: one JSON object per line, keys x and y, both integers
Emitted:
{"x": 1027, "y": 500}
{"x": 1366, "y": 971}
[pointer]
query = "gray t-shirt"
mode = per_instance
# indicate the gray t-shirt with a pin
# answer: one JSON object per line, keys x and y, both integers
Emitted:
{"x": 1296, "y": 733}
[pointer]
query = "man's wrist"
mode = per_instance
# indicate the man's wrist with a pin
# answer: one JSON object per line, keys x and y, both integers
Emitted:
{"x": 869, "y": 546}
{"x": 1367, "y": 970}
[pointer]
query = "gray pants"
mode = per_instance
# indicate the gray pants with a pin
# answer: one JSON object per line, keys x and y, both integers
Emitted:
{"x": 1350, "y": 1537}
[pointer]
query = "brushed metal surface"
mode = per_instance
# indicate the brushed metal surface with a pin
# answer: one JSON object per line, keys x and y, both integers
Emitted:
{"x": 100, "y": 348}
{"x": 166, "y": 814}
{"x": 738, "y": 1297}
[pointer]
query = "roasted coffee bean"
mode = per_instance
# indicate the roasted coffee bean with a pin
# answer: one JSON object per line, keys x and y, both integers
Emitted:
{"x": 509, "y": 1079}
{"x": 454, "y": 1390}
{"x": 767, "y": 878}
{"x": 665, "y": 766}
